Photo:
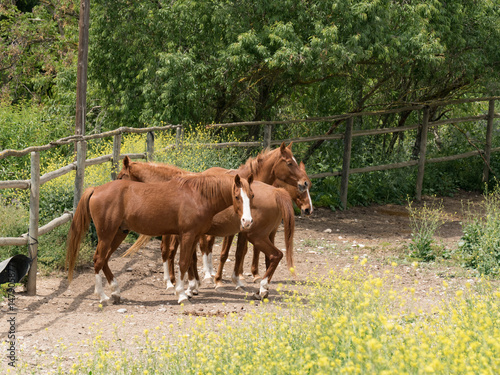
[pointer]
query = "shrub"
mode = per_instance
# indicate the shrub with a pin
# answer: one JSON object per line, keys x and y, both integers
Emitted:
{"x": 424, "y": 222}
{"x": 479, "y": 247}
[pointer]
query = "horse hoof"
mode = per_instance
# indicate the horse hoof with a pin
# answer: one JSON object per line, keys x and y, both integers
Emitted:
{"x": 170, "y": 288}
{"x": 242, "y": 278}
{"x": 116, "y": 299}
{"x": 240, "y": 288}
{"x": 189, "y": 293}
{"x": 184, "y": 300}
{"x": 104, "y": 300}
{"x": 256, "y": 296}
{"x": 208, "y": 278}
{"x": 219, "y": 285}
{"x": 257, "y": 279}
{"x": 264, "y": 294}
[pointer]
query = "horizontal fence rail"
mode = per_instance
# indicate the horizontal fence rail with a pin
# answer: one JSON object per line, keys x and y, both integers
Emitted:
{"x": 31, "y": 237}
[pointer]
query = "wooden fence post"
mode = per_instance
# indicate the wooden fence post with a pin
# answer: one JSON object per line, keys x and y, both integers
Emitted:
{"x": 81, "y": 156}
{"x": 268, "y": 130}
{"x": 346, "y": 162}
{"x": 150, "y": 145}
{"x": 487, "y": 147}
{"x": 33, "y": 225}
{"x": 422, "y": 152}
{"x": 117, "y": 144}
{"x": 178, "y": 137}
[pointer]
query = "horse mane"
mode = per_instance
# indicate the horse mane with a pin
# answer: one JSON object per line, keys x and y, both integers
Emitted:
{"x": 210, "y": 186}
{"x": 254, "y": 165}
{"x": 156, "y": 171}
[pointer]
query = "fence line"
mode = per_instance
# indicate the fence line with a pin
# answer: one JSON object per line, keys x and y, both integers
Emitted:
{"x": 31, "y": 238}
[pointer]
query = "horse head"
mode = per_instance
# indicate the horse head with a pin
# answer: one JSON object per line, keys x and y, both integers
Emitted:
{"x": 126, "y": 171}
{"x": 288, "y": 170}
{"x": 242, "y": 197}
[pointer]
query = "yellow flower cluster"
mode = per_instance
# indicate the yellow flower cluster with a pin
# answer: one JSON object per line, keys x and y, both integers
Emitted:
{"x": 348, "y": 322}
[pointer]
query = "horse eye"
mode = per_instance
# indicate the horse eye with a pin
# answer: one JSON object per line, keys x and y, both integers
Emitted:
{"x": 237, "y": 197}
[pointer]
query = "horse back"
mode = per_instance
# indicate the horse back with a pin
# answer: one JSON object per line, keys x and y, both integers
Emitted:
{"x": 146, "y": 208}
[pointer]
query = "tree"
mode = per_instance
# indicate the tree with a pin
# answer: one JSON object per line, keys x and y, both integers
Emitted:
{"x": 204, "y": 61}
{"x": 37, "y": 40}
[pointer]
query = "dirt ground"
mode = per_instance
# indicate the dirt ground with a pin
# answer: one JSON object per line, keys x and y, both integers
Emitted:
{"x": 67, "y": 317}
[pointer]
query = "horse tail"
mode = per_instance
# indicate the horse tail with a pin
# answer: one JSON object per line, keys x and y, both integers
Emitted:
{"x": 79, "y": 226}
{"x": 137, "y": 245}
{"x": 285, "y": 205}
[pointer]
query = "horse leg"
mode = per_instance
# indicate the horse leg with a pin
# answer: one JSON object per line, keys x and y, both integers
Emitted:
{"x": 265, "y": 245}
{"x": 226, "y": 245}
{"x": 112, "y": 281}
{"x": 206, "y": 244}
{"x": 187, "y": 244}
{"x": 165, "y": 255}
{"x": 255, "y": 265}
{"x": 241, "y": 248}
{"x": 194, "y": 278}
{"x": 244, "y": 245}
{"x": 272, "y": 235}
{"x": 255, "y": 259}
{"x": 169, "y": 262}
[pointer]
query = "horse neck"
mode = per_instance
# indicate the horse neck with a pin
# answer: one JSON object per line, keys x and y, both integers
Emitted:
{"x": 216, "y": 191}
{"x": 225, "y": 196}
{"x": 261, "y": 167}
{"x": 225, "y": 201}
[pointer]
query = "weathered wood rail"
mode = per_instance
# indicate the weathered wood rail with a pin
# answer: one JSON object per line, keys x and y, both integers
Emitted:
{"x": 34, "y": 231}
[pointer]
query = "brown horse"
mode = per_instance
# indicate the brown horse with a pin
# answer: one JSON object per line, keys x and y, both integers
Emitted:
{"x": 267, "y": 167}
{"x": 303, "y": 202}
{"x": 184, "y": 206}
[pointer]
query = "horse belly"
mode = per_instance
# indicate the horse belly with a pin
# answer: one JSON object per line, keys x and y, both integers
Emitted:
{"x": 152, "y": 220}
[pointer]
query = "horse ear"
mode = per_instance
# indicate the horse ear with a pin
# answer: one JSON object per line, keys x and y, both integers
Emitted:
{"x": 126, "y": 161}
{"x": 302, "y": 166}
{"x": 283, "y": 148}
{"x": 290, "y": 146}
{"x": 237, "y": 181}
{"x": 250, "y": 179}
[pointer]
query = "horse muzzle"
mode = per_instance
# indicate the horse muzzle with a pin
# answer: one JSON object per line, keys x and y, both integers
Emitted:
{"x": 307, "y": 212}
{"x": 246, "y": 223}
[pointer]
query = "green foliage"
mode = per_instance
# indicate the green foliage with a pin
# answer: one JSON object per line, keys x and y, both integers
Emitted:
{"x": 14, "y": 218}
{"x": 424, "y": 221}
{"x": 37, "y": 39}
{"x": 479, "y": 247}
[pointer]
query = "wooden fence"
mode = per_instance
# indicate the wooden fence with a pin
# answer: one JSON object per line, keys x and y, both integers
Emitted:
{"x": 31, "y": 238}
